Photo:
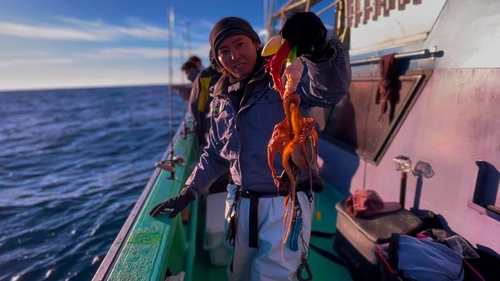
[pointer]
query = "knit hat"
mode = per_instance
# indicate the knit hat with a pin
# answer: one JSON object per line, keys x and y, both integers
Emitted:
{"x": 228, "y": 27}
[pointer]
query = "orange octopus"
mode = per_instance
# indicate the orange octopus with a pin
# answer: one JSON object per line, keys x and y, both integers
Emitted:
{"x": 295, "y": 137}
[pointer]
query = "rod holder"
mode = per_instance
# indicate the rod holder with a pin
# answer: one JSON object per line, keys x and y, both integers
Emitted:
{"x": 402, "y": 191}
{"x": 169, "y": 165}
{"x": 403, "y": 165}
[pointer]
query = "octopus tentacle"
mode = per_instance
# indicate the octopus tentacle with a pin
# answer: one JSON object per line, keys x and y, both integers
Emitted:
{"x": 275, "y": 65}
{"x": 295, "y": 137}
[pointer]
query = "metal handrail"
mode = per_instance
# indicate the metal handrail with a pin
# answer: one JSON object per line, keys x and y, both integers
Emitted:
{"x": 288, "y": 8}
{"x": 425, "y": 52}
{"x": 327, "y": 7}
{"x": 120, "y": 240}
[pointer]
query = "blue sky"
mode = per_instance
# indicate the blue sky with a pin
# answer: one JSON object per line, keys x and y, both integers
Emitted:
{"x": 75, "y": 43}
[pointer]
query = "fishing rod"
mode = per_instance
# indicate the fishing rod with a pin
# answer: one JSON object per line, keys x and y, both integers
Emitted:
{"x": 171, "y": 163}
{"x": 187, "y": 130}
{"x": 170, "y": 82}
{"x": 188, "y": 34}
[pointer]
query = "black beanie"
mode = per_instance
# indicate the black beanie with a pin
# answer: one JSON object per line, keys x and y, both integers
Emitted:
{"x": 228, "y": 27}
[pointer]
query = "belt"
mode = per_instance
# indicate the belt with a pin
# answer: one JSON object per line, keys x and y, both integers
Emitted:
{"x": 253, "y": 220}
{"x": 249, "y": 194}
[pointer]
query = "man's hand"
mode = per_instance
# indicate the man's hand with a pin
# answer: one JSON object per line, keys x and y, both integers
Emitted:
{"x": 307, "y": 32}
{"x": 177, "y": 204}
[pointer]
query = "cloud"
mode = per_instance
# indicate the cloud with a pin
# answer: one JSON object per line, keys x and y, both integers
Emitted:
{"x": 37, "y": 53}
{"x": 53, "y": 33}
{"x": 146, "y": 32}
{"x": 23, "y": 62}
{"x": 206, "y": 23}
{"x": 121, "y": 53}
{"x": 263, "y": 33}
{"x": 81, "y": 23}
{"x": 137, "y": 28}
{"x": 146, "y": 53}
{"x": 82, "y": 30}
{"x": 199, "y": 29}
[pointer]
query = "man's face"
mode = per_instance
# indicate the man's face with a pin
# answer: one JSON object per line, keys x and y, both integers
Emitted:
{"x": 191, "y": 74}
{"x": 238, "y": 55}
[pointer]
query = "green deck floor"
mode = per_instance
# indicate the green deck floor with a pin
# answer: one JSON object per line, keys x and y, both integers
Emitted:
{"x": 203, "y": 269}
{"x": 322, "y": 268}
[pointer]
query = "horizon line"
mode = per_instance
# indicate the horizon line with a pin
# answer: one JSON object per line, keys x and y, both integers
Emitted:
{"x": 87, "y": 87}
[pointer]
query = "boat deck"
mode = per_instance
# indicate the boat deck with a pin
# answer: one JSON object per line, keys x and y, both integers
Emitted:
{"x": 322, "y": 268}
{"x": 147, "y": 248}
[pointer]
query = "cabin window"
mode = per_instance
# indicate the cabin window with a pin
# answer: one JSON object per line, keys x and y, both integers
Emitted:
{"x": 353, "y": 124}
{"x": 486, "y": 195}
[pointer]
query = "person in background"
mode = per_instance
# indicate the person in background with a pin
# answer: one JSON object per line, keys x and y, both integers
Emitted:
{"x": 197, "y": 61}
{"x": 190, "y": 69}
{"x": 201, "y": 97}
{"x": 244, "y": 111}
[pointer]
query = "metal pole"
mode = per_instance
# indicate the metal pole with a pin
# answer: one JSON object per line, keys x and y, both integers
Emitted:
{"x": 171, "y": 94}
{"x": 181, "y": 53}
{"x": 188, "y": 38}
{"x": 425, "y": 52}
{"x": 266, "y": 4}
{"x": 289, "y": 8}
{"x": 402, "y": 191}
{"x": 327, "y": 8}
{"x": 308, "y": 5}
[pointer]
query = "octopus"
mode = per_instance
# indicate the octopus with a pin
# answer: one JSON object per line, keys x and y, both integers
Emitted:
{"x": 295, "y": 138}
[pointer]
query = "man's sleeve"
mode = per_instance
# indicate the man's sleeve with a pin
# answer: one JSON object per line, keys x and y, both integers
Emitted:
{"x": 211, "y": 165}
{"x": 326, "y": 80}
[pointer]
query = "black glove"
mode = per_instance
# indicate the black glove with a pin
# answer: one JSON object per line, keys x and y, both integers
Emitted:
{"x": 177, "y": 203}
{"x": 306, "y": 31}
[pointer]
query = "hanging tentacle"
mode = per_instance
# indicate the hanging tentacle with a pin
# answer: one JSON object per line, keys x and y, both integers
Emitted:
{"x": 295, "y": 137}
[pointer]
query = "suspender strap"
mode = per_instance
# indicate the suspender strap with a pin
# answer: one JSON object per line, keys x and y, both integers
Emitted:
{"x": 253, "y": 217}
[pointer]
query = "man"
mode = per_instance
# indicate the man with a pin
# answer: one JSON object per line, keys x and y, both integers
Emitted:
{"x": 245, "y": 110}
{"x": 190, "y": 69}
{"x": 197, "y": 61}
{"x": 201, "y": 97}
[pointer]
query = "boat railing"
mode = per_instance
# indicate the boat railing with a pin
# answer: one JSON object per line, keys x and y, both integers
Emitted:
{"x": 358, "y": 11}
{"x": 156, "y": 243}
{"x": 425, "y": 53}
{"x": 349, "y": 13}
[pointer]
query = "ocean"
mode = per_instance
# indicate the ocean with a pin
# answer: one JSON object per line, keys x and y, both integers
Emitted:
{"x": 72, "y": 165}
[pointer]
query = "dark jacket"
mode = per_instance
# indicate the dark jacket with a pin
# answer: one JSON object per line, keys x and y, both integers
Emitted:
{"x": 238, "y": 139}
{"x": 200, "y": 99}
